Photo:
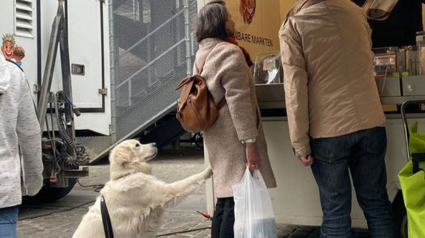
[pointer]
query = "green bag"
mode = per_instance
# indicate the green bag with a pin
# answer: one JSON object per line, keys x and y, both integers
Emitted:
{"x": 412, "y": 182}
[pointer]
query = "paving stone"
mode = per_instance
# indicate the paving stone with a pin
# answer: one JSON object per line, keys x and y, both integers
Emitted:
{"x": 60, "y": 219}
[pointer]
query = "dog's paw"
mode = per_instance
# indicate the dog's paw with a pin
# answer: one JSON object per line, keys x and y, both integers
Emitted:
{"x": 208, "y": 172}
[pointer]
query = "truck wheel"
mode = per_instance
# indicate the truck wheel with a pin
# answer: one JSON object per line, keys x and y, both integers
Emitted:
{"x": 50, "y": 194}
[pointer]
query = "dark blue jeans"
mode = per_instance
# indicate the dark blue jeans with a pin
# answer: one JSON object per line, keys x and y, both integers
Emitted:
{"x": 362, "y": 154}
{"x": 8, "y": 219}
{"x": 223, "y": 219}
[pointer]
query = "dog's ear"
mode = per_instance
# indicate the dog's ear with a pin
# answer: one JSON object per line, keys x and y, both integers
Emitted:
{"x": 122, "y": 155}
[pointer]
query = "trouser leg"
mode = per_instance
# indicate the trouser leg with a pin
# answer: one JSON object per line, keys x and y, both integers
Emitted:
{"x": 217, "y": 218}
{"x": 331, "y": 172}
{"x": 228, "y": 221}
{"x": 370, "y": 180}
{"x": 8, "y": 219}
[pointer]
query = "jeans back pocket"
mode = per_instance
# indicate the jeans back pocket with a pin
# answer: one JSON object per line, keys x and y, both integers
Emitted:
{"x": 330, "y": 150}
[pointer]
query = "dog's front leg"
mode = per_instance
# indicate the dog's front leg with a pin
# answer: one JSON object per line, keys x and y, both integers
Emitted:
{"x": 177, "y": 190}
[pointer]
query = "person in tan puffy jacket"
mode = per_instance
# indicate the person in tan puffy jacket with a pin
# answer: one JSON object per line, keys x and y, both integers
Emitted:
{"x": 334, "y": 112}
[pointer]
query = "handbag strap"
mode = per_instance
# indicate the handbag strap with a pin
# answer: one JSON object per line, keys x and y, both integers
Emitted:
{"x": 221, "y": 103}
{"x": 107, "y": 225}
{"x": 186, "y": 91}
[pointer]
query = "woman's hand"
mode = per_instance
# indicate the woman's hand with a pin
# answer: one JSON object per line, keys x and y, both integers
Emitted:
{"x": 252, "y": 157}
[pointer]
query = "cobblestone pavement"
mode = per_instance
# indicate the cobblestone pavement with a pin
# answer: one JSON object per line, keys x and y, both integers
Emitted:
{"x": 60, "y": 219}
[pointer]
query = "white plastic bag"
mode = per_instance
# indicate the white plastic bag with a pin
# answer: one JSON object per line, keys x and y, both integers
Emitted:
{"x": 254, "y": 216}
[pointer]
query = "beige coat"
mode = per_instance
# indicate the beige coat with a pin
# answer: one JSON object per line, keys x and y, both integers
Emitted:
{"x": 227, "y": 75}
{"x": 328, "y": 67}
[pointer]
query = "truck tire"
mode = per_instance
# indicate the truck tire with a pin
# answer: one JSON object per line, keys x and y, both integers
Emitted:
{"x": 49, "y": 194}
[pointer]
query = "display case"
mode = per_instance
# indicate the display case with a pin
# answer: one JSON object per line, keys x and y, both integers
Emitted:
{"x": 268, "y": 77}
{"x": 396, "y": 73}
{"x": 268, "y": 68}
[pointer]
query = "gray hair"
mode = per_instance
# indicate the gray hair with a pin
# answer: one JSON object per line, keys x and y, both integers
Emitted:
{"x": 211, "y": 22}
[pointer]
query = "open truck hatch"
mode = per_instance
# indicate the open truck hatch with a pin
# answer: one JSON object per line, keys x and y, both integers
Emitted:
{"x": 152, "y": 49}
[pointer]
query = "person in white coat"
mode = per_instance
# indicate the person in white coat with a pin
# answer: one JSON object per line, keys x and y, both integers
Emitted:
{"x": 21, "y": 165}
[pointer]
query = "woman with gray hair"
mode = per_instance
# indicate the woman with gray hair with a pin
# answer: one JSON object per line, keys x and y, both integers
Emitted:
{"x": 236, "y": 140}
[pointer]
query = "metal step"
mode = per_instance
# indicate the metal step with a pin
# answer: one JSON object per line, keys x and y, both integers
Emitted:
{"x": 132, "y": 120}
{"x": 162, "y": 132}
{"x": 96, "y": 146}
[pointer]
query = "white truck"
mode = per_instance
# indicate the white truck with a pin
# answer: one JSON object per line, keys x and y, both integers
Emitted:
{"x": 101, "y": 71}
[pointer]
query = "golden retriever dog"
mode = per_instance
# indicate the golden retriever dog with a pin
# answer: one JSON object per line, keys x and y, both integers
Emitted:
{"x": 135, "y": 199}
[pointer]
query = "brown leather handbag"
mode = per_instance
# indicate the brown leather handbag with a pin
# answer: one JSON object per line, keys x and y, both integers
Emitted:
{"x": 196, "y": 109}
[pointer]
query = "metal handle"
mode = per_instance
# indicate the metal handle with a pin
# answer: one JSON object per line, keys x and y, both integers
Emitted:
{"x": 405, "y": 124}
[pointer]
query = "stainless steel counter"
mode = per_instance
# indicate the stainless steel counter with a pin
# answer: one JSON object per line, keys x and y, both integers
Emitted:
{"x": 272, "y": 96}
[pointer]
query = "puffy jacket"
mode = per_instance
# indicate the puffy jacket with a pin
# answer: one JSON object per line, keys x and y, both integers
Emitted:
{"x": 329, "y": 82}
